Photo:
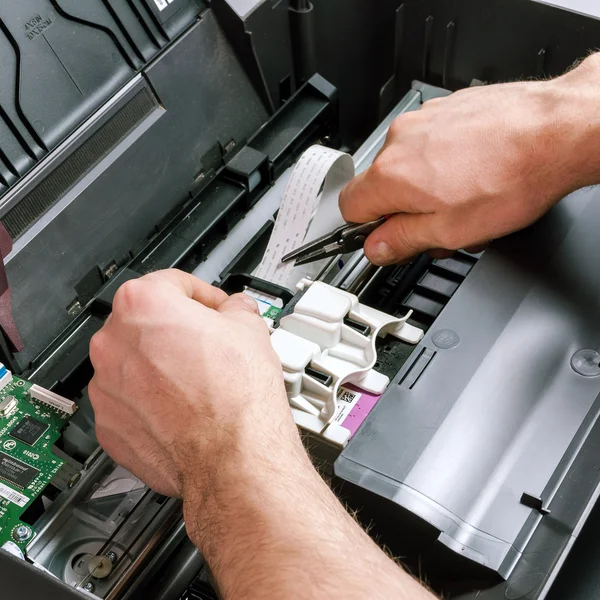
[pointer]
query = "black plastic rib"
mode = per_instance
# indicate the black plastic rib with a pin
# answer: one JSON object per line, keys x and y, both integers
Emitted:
{"x": 17, "y": 134}
{"x": 143, "y": 23}
{"x": 107, "y": 31}
{"x": 123, "y": 29}
{"x": 155, "y": 20}
{"x": 30, "y": 128}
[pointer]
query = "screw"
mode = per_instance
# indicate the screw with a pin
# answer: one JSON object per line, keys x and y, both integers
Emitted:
{"x": 74, "y": 308}
{"x": 110, "y": 270}
{"x": 89, "y": 587}
{"x": 112, "y": 557}
{"x": 76, "y": 477}
{"x": 22, "y": 533}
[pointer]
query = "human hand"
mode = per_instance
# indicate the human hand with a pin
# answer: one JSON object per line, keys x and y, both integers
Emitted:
{"x": 188, "y": 394}
{"x": 477, "y": 165}
{"x": 186, "y": 380}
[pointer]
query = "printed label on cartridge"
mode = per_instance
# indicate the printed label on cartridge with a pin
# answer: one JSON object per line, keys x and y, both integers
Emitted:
{"x": 12, "y": 496}
{"x": 347, "y": 399}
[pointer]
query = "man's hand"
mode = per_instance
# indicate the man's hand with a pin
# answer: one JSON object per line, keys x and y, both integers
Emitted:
{"x": 188, "y": 394}
{"x": 479, "y": 164}
{"x": 185, "y": 378}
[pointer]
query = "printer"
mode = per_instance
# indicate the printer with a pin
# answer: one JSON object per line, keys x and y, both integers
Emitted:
{"x": 137, "y": 135}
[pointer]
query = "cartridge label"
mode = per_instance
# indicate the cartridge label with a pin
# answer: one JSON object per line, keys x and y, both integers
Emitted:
{"x": 347, "y": 400}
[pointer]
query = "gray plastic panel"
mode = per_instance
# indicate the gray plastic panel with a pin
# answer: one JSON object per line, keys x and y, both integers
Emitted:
{"x": 118, "y": 202}
{"x": 22, "y": 581}
{"x": 49, "y": 58}
{"x": 502, "y": 413}
{"x": 61, "y": 59}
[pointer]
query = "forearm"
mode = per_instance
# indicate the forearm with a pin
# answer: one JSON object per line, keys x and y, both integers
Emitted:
{"x": 573, "y": 123}
{"x": 203, "y": 415}
{"x": 274, "y": 528}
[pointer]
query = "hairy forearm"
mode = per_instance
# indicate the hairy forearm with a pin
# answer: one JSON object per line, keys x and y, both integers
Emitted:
{"x": 274, "y": 528}
{"x": 573, "y": 118}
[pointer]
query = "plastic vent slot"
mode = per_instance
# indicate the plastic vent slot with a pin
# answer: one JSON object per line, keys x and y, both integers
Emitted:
{"x": 66, "y": 175}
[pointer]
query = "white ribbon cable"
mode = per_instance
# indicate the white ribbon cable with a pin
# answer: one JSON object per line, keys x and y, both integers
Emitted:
{"x": 304, "y": 214}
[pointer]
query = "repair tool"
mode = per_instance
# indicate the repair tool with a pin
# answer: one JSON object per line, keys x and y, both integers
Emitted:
{"x": 345, "y": 239}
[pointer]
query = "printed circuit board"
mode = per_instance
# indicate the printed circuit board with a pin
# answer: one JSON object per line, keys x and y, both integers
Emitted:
{"x": 31, "y": 421}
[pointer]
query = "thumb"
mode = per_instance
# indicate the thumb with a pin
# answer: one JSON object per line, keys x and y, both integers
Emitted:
{"x": 399, "y": 238}
{"x": 238, "y": 303}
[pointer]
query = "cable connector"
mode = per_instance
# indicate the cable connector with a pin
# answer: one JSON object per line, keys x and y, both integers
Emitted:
{"x": 51, "y": 399}
{"x": 5, "y": 376}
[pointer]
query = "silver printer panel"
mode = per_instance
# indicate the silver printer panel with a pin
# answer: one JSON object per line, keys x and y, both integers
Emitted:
{"x": 477, "y": 439}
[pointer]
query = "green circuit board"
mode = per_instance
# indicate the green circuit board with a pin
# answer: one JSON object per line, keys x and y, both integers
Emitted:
{"x": 272, "y": 313}
{"x": 28, "y": 430}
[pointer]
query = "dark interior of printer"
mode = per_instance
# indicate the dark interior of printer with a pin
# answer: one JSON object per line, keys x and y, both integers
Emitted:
{"x": 142, "y": 152}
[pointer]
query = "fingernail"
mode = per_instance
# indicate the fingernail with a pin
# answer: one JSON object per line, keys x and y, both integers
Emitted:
{"x": 382, "y": 254}
{"x": 251, "y": 302}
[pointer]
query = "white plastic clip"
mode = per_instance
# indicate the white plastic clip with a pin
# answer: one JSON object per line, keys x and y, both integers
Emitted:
{"x": 333, "y": 334}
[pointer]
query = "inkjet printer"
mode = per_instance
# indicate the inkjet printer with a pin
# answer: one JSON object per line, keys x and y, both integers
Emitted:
{"x": 138, "y": 135}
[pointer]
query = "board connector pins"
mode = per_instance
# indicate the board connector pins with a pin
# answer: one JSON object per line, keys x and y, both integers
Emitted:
{"x": 5, "y": 376}
{"x": 52, "y": 399}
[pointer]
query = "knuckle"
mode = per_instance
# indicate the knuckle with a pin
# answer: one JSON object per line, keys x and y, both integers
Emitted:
{"x": 164, "y": 273}
{"x": 245, "y": 302}
{"x": 97, "y": 345}
{"x": 102, "y": 437}
{"x": 159, "y": 276}
{"x": 397, "y": 126}
{"x": 93, "y": 389}
{"x": 432, "y": 103}
{"x": 381, "y": 167}
{"x": 129, "y": 296}
{"x": 95, "y": 396}
{"x": 401, "y": 124}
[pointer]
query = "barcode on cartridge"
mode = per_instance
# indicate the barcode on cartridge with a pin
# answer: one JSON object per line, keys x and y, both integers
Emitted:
{"x": 347, "y": 400}
{"x": 14, "y": 497}
{"x": 347, "y": 396}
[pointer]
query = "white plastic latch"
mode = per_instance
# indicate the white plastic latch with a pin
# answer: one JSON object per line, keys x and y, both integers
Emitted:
{"x": 332, "y": 335}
